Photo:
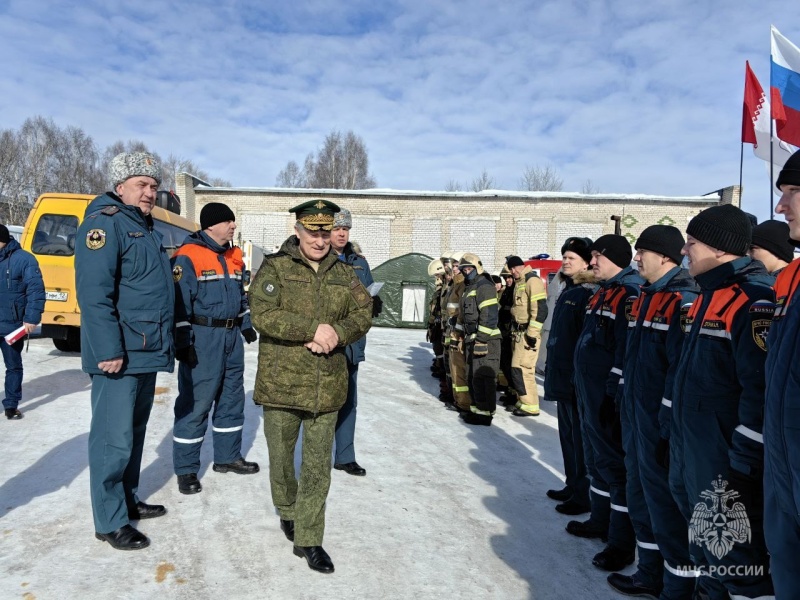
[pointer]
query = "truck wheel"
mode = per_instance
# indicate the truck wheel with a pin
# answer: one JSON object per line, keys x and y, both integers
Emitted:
{"x": 62, "y": 345}
{"x": 74, "y": 339}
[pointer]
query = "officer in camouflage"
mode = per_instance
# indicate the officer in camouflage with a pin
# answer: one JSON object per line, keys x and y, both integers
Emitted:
{"x": 308, "y": 306}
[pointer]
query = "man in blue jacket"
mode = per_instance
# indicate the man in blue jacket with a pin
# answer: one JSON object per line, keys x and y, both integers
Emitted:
{"x": 655, "y": 338}
{"x": 211, "y": 316}
{"x": 716, "y": 445}
{"x": 21, "y": 305}
{"x": 599, "y": 357}
{"x": 566, "y": 325}
{"x": 782, "y": 407}
{"x": 345, "y": 459}
{"x": 126, "y": 296}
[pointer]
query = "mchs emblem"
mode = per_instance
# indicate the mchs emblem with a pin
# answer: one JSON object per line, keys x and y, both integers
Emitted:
{"x": 718, "y": 522}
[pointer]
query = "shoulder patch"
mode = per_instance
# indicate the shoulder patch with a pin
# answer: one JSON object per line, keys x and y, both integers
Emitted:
{"x": 270, "y": 288}
{"x": 359, "y": 293}
{"x": 760, "y": 332}
{"x": 762, "y": 307}
{"x": 95, "y": 239}
{"x": 110, "y": 210}
{"x": 629, "y": 302}
{"x": 177, "y": 273}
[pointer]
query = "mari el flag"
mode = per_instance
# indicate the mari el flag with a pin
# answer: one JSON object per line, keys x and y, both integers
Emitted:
{"x": 785, "y": 87}
{"x": 756, "y": 121}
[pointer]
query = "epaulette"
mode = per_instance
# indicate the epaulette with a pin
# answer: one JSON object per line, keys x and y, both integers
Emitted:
{"x": 275, "y": 255}
{"x": 110, "y": 210}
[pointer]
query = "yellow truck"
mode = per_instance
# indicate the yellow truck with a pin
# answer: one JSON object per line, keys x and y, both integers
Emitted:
{"x": 50, "y": 236}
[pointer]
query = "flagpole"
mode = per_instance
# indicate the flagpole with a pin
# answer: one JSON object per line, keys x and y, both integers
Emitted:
{"x": 771, "y": 144}
{"x": 741, "y": 161}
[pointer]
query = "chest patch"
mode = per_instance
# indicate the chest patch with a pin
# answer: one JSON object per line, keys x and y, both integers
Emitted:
{"x": 177, "y": 273}
{"x": 135, "y": 234}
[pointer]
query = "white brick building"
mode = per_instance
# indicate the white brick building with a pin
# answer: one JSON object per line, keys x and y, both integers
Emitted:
{"x": 492, "y": 224}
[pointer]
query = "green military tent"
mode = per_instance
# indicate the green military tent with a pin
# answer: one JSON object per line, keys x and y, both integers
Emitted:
{"x": 407, "y": 291}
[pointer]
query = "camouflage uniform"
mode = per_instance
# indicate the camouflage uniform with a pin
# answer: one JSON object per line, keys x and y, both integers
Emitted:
{"x": 295, "y": 386}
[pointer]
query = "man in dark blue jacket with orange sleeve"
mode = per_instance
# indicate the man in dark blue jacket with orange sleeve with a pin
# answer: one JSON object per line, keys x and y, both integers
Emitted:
{"x": 782, "y": 407}
{"x": 716, "y": 445}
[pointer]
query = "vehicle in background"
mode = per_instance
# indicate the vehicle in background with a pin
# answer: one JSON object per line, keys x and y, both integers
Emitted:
{"x": 253, "y": 256}
{"x": 544, "y": 266}
{"x": 50, "y": 236}
{"x": 16, "y": 231}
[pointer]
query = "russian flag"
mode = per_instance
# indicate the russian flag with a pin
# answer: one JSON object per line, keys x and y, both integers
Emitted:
{"x": 785, "y": 87}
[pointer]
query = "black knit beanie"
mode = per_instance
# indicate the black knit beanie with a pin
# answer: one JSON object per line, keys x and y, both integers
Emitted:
{"x": 663, "y": 239}
{"x": 514, "y": 261}
{"x": 615, "y": 248}
{"x": 5, "y": 236}
{"x": 723, "y": 227}
{"x": 790, "y": 173}
{"x": 213, "y": 213}
{"x": 580, "y": 246}
{"x": 773, "y": 236}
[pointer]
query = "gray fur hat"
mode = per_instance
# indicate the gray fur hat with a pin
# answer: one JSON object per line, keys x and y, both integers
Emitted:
{"x": 342, "y": 219}
{"x": 134, "y": 164}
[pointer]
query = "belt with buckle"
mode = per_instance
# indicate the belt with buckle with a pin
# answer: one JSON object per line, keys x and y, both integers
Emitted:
{"x": 226, "y": 323}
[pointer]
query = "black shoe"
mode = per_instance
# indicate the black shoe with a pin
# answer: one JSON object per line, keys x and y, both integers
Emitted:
{"x": 508, "y": 400}
{"x": 571, "y": 507}
{"x": 13, "y": 414}
{"x": 316, "y": 558}
{"x": 612, "y": 559}
{"x": 351, "y": 468}
{"x": 125, "y": 538}
{"x": 476, "y": 419}
{"x": 561, "y": 495}
{"x": 518, "y": 412}
{"x": 287, "y": 527}
{"x": 587, "y": 529}
{"x": 189, "y": 484}
{"x": 145, "y": 511}
{"x": 453, "y": 407}
{"x": 240, "y": 466}
{"x": 628, "y": 585}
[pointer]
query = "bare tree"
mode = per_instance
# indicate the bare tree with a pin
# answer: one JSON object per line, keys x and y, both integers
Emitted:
{"x": 176, "y": 164}
{"x": 453, "y": 186}
{"x": 291, "y": 177}
{"x": 540, "y": 179}
{"x": 589, "y": 187}
{"x": 341, "y": 163}
{"x": 484, "y": 182}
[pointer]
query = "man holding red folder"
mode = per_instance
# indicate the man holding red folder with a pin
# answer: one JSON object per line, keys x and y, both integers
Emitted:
{"x": 21, "y": 306}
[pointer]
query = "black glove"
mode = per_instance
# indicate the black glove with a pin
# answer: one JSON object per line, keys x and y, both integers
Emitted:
{"x": 480, "y": 349}
{"x": 187, "y": 356}
{"x": 249, "y": 335}
{"x": 749, "y": 488}
{"x": 662, "y": 453}
{"x": 616, "y": 430}
{"x": 530, "y": 342}
{"x": 608, "y": 412}
{"x": 377, "y": 306}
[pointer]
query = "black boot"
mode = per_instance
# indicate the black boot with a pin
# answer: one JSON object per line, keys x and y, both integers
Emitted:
{"x": 240, "y": 466}
{"x": 189, "y": 484}
{"x": 561, "y": 495}
{"x": 612, "y": 558}
{"x": 316, "y": 558}
{"x": 126, "y": 537}
{"x": 476, "y": 419}
{"x": 587, "y": 529}
{"x": 631, "y": 586}
{"x": 287, "y": 527}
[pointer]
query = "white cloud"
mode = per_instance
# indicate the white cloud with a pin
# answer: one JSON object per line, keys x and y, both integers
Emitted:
{"x": 635, "y": 97}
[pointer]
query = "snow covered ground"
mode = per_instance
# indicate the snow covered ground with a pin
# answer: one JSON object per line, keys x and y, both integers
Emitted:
{"x": 446, "y": 510}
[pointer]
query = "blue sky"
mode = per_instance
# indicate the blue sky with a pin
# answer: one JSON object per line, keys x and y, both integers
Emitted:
{"x": 634, "y": 97}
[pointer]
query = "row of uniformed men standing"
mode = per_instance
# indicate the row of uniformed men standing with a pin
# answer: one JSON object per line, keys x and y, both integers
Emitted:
{"x": 659, "y": 375}
{"x": 677, "y": 400}
{"x": 479, "y": 332}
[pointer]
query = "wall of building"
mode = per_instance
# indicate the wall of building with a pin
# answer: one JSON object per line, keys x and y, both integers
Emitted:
{"x": 390, "y": 223}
